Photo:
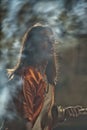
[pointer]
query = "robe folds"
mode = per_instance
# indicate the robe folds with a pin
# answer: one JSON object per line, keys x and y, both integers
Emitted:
{"x": 36, "y": 101}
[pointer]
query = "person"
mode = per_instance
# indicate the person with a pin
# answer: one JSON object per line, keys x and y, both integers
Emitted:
{"x": 36, "y": 70}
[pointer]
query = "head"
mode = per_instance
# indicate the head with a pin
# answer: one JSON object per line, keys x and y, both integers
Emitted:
{"x": 37, "y": 45}
{"x": 37, "y": 48}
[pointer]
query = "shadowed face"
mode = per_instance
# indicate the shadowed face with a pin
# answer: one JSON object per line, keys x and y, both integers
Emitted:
{"x": 45, "y": 46}
{"x": 39, "y": 44}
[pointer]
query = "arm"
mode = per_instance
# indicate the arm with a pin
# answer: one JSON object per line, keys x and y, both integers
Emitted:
{"x": 65, "y": 113}
{"x": 60, "y": 114}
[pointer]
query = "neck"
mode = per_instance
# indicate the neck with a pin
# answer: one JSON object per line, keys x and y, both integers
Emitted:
{"x": 41, "y": 67}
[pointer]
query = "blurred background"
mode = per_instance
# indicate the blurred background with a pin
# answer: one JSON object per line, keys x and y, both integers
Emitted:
{"x": 68, "y": 19}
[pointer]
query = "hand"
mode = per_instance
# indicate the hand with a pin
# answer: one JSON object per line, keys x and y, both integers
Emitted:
{"x": 72, "y": 111}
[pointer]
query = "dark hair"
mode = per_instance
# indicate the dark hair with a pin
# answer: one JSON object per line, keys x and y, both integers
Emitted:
{"x": 31, "y": 40}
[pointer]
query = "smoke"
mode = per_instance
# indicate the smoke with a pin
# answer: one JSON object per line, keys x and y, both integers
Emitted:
{"x": 66, "y": 21}
{"x": 55, "y": 13}
{"x": 4, "y": 93}
{"x": 9, "y": 90}
{"x": 4, "y": 98}
{"x": 81, "y": 10}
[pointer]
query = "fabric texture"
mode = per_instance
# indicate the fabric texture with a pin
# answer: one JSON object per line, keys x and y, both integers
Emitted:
{"x": 36, "y": 102}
